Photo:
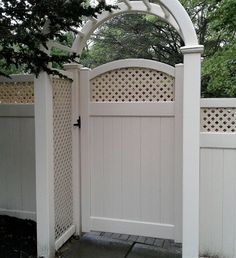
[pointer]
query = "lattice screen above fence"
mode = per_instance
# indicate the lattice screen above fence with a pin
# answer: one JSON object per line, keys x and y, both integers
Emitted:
{"x": 16, "y": 92}
{"x": 212, "y": 119}
{"x": 132, "y": 84}
{"x": 218, "y": 120}
{"x": 62, "y": 137}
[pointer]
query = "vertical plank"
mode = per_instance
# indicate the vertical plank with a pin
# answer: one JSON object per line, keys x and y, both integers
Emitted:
{"x": 167, "y": 170}
{"x": 96, "y": 161}
{"x": 229, "y": 214}
{"x": 150, "y": 169}
{"x": 4, "y": 143}
{"x": 28, "y": 186}
{"x": 205, "y": 200}
{"x": 108, "y": 166}
{"x": 116, "y": 171}
{"x": 11, "y": 197}
{"x": 216, "y": 196}
{"x": 131, "y": 168}
{"x": 14, "y": 169}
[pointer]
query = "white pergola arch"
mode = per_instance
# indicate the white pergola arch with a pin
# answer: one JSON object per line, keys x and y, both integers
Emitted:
{"x": 187, "y": 33}
{"x": 173, "y": 13}
{"x": 170, "y": 11}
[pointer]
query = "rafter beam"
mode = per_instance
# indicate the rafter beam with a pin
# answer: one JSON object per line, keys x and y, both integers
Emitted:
{"x": 165, "y": 11}
{"x": 60, "y": 46}
{"x": 148, "y": 5}
{"x": 79, "y": 32}
{"x": 93, "y": 19}
{"x": 127, "y": 2}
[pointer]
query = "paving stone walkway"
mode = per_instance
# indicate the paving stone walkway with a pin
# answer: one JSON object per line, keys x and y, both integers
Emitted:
{"x": 111, "y": 245}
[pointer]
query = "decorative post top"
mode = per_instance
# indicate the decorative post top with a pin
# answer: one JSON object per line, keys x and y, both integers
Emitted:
{"x": 192, "y": 49}
{"x": 72, "y": 66}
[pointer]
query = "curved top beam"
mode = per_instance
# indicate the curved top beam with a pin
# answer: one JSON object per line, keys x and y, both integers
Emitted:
{"x": 136, "y": 7}
{"x": 124, "y": 63}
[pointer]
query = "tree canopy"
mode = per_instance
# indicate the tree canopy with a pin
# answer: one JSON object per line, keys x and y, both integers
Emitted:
{"x": 27, "y": 26}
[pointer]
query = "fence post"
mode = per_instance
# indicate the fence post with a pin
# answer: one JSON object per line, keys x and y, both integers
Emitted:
{"x": 75, "y": 69}
{"x": 178, "y": 150}
{"x": 44, "y": 165}
{"x": 191, "y": 148}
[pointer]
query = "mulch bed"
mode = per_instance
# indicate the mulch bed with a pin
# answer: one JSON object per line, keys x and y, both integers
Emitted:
{"x": 17, "y": 238}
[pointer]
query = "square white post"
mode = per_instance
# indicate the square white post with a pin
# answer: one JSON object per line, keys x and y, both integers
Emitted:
{"x": 178, "y": 150}
{"x": 74, "y": 69}
{"x": 44, "y": 165}
{"x": 191, "y": 135}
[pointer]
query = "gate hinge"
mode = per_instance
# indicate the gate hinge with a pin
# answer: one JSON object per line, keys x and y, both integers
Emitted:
{"x": 78, "y": 122}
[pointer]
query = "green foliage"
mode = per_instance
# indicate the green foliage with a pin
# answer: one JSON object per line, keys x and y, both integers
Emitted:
{"x": 219, "y": 66}
{"x": 132, "y": 35}
{"x": 219, "y": 73}
{"x": 27, "y": 26}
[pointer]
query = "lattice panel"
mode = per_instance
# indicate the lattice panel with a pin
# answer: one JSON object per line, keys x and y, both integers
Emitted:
{"x": 132, "y": 85}
{"x": 16, "y": 92}
{"x": 218, "y": 120}
{"x": 62, "y": 137}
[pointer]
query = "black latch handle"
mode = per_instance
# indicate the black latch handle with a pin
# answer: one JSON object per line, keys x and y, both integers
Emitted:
{"x": 78, "y": 123}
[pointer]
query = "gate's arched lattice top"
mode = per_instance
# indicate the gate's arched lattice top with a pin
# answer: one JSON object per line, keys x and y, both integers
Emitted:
{"x": 132, "y": 84}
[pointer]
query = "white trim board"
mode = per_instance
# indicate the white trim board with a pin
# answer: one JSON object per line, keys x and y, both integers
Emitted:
{"x": 16, "y": 110}
{"x": 132, "y": 109}
{"x": 218, "y": 102}
{"x": 18, "y": 78}
{"x": 62, "y": 239}
{"x": 19, "y": 214}
{"x": 218, "y": 140}
{"x": 135, "y": 227}
{"x": 125, "y": 63}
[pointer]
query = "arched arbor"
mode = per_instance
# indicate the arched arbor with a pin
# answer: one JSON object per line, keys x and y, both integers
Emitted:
{"x": 172, "y": 12}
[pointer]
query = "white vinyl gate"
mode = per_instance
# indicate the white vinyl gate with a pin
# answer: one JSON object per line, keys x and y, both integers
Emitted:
{"x": 130, "y": 133}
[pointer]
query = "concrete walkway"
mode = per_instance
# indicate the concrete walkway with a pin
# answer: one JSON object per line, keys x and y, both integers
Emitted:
{"x": 108, "y": 245}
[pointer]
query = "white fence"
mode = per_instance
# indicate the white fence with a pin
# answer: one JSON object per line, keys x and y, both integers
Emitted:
{"x": 17, "y": 152}
{"x": 217, "y": 178}
{"x": 17, "y": 161}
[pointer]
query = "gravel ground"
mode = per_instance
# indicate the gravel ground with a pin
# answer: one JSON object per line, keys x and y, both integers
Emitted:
{"x": 17, "y": 238}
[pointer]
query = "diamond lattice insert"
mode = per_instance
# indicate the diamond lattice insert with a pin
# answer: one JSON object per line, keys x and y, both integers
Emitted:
{"x": 218, "y": 120}
{"x": 16, "y": 92}
{"x": 62, "y": 137}
{"x": 132, "y": 85}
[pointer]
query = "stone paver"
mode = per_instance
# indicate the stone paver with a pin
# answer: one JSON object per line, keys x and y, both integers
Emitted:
{"x": 158, "y": 242}
{"x": 147, "y": 251}
{"x": 112, "y": 245}
{"x": 93, "y": 246}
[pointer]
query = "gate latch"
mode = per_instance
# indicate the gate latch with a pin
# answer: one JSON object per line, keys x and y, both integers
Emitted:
{"x": 78, "y": 123}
